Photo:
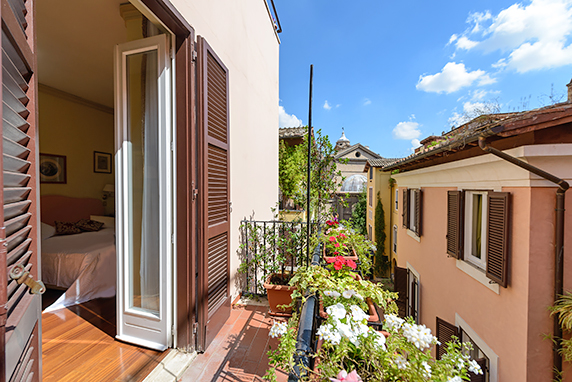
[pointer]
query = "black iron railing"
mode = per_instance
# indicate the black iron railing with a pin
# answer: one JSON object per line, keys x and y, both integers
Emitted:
{"x": 271, "y": 247}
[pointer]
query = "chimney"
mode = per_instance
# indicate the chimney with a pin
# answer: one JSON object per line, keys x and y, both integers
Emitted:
{"x": 569, "y": 86}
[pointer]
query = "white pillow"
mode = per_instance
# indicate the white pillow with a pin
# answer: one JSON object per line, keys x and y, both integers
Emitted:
{"x": 47, "y": 231}
{"x": 108, "y": 221}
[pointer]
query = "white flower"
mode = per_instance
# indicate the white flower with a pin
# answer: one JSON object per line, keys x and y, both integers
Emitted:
{"x": 379, "y": 340}
{"x": 359, "y": 296}
{"x": 358, "y": 314}
{"x": 348, "y": 293}
{"x": 418, "y": 335}
{"x": 393, "y": 322}
{"x": 401, "y": 362}
{"x": 336, "y": 311}
{"x": 329, "y": 334}
{"x": 454, "y": 379}
{"x": 426, "y": 369}
{"x": 331, "y": 293}
{"x": 278, "y": 329}
{"x": 475, "y": 367}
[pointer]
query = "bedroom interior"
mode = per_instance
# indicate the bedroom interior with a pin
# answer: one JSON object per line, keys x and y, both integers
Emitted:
{"x": 76, "y": 120}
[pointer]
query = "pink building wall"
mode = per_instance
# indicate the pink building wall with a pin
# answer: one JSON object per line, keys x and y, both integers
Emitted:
{"x": 513, "y": 323}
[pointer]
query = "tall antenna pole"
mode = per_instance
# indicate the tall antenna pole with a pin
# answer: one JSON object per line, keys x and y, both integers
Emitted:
{"x": 310, "y": 135}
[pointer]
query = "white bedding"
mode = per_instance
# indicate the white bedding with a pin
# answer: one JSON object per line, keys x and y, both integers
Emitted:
{"x": 83, "y": 263}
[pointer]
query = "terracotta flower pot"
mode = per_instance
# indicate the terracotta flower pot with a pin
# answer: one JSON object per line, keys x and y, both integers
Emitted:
{"x": 278, "y": 295}
{"x": 353, "y": 255}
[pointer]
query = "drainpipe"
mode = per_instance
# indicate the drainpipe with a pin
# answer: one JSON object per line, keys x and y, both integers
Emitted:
{"x": 559, "y": 241}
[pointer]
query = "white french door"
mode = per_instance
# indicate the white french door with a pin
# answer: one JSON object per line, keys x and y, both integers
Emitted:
{"x": 144, "y": 192}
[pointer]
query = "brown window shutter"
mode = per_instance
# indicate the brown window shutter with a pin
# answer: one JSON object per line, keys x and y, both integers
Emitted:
{"x": 455, "y": 223}
{"x": 400, "y": 286}
{"x": 445, "y": 333}
{"x": 418, "y": 211}
{"x": 19, "y": 309}
{"x": 498, "y": 237}
{"x": 214, "y": 258}
{"x": 482, "y": 362}
{"x": 405, "y": 212}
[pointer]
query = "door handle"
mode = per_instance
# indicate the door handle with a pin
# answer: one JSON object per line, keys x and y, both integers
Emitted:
{"x": 22, "y": 276}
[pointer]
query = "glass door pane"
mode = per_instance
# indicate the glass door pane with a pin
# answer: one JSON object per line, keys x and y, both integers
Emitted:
{"x": 144, "y": 193}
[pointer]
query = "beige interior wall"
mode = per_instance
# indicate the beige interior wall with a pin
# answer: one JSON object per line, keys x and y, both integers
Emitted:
{"x": 76, "y": 130}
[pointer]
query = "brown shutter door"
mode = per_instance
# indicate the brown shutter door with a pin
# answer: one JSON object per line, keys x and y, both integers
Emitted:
{"x": 445, "y": 333}
{"x": 498, "y": 237}
{"x": 418, "y": 211}
{"x": 19, "y": 310}
{"x": 404, "y": 212}
{"x": 400, "y": 286}
{"x": 454, "y": 223}
{"x": 215, "y": 288}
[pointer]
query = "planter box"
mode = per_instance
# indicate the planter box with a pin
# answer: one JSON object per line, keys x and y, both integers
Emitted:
{"x": 278, "y": 295}
{"x": 373, "y": 316}
{"x": 353, "y": 255}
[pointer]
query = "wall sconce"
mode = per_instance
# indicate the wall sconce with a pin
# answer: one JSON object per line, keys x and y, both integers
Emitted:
{"x": 108, "y": 190}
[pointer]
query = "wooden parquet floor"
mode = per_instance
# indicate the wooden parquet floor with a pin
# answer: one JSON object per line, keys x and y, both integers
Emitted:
{"x": 78, "y": 344}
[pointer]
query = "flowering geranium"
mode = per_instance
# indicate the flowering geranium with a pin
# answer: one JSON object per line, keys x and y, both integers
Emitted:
{"x": 345, "y": 377}
{"x": 340, "y": 266}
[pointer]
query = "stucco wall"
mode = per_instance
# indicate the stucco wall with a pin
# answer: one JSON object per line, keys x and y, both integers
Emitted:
{"x": 242, "y": 35}
{"x": 514, "y": 321}
{"x": 380, "y": 183}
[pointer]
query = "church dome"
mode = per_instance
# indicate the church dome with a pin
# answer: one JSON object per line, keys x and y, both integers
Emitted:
{"x": 342, "y": 143}
{"x": 354, "y": 183}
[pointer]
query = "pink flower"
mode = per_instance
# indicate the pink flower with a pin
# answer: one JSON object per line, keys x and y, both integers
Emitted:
{"x": 336, "y": 245}
{"x": 351, "y": 264}
{"x": 344, "y": 376}
{"x": 332, "y": 238}
{"x": 338, "y": 265}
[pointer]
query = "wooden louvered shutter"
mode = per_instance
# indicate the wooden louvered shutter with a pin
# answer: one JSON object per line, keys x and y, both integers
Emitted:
{"x": 482, "y": 362}
{"x": 445, "y": 333}
{"x": 214, "y": 114}
{"x": 19, "y": 310}
{"x": 455, "y": 224}
{"x": 498, "y": 237}
{"x": 418, "y": 211}
{"x": 405, "y": 212}
{"x": 400, "y": 286}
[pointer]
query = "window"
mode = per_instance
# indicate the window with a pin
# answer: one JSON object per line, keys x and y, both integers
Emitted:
{"x": 394, "y": 239}
{"x": 412, "y": 208}
{"x": 396, "y": 199}
{"x": 407, "y": 286}
{"x": 369, "y": 232}
{"x": 478, "y": 231}
{"x": 478, "y": 355}
{"x": 371, "y": 196}
{"x": 371, "y": 173}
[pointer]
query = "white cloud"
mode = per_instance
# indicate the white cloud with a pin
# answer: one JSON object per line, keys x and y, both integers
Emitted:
{"x": 406, "y": 130}
{"x": 287, "y": 120}
{"x": 366, "y": 102}
{"x": 327, "y": 105}
{"x": 465, "y": 43}
{"x": 415, "y": 143}
{"x": 453, "y": 39}
{"x": 452, "y": 78}
{"x": 533, "y": 36}
{"x": 472, "y": 110}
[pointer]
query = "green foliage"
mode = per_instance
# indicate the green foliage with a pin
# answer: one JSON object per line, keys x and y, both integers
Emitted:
{"x": 291, "y": 161}
{"x": 563, "y": 309}
{"x": 381, "y": 263}
{"x": 359, "y": 213}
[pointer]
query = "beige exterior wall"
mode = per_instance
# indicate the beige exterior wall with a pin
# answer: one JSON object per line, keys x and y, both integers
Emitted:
{"x": 380, "y": 183}
{"x": 510, "y": 321}
{"x": 244, "y": 38}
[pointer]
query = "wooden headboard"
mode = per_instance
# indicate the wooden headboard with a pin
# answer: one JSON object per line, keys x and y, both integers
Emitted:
{"x": 68, "y": 209}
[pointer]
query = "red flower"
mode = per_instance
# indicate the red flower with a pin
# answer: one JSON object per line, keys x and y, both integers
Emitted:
{"x": 351, "y": 264}
{"x": 332, "y": 238}
{"x": 341, "y": 236}
{"x": 332, "y": 260}
{"x": 336, "y": 245}
{"x": 338, "y": 265}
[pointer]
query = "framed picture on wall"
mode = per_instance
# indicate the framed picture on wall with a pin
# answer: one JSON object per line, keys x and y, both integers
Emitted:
{"x": 102, "y": 162}
{"x": 52, "y": 168}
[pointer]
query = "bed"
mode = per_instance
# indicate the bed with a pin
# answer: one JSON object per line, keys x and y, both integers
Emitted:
{"x": 82, "y": 264}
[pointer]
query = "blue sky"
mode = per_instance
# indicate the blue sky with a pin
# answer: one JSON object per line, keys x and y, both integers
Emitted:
{"x": 394, "y": 72}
